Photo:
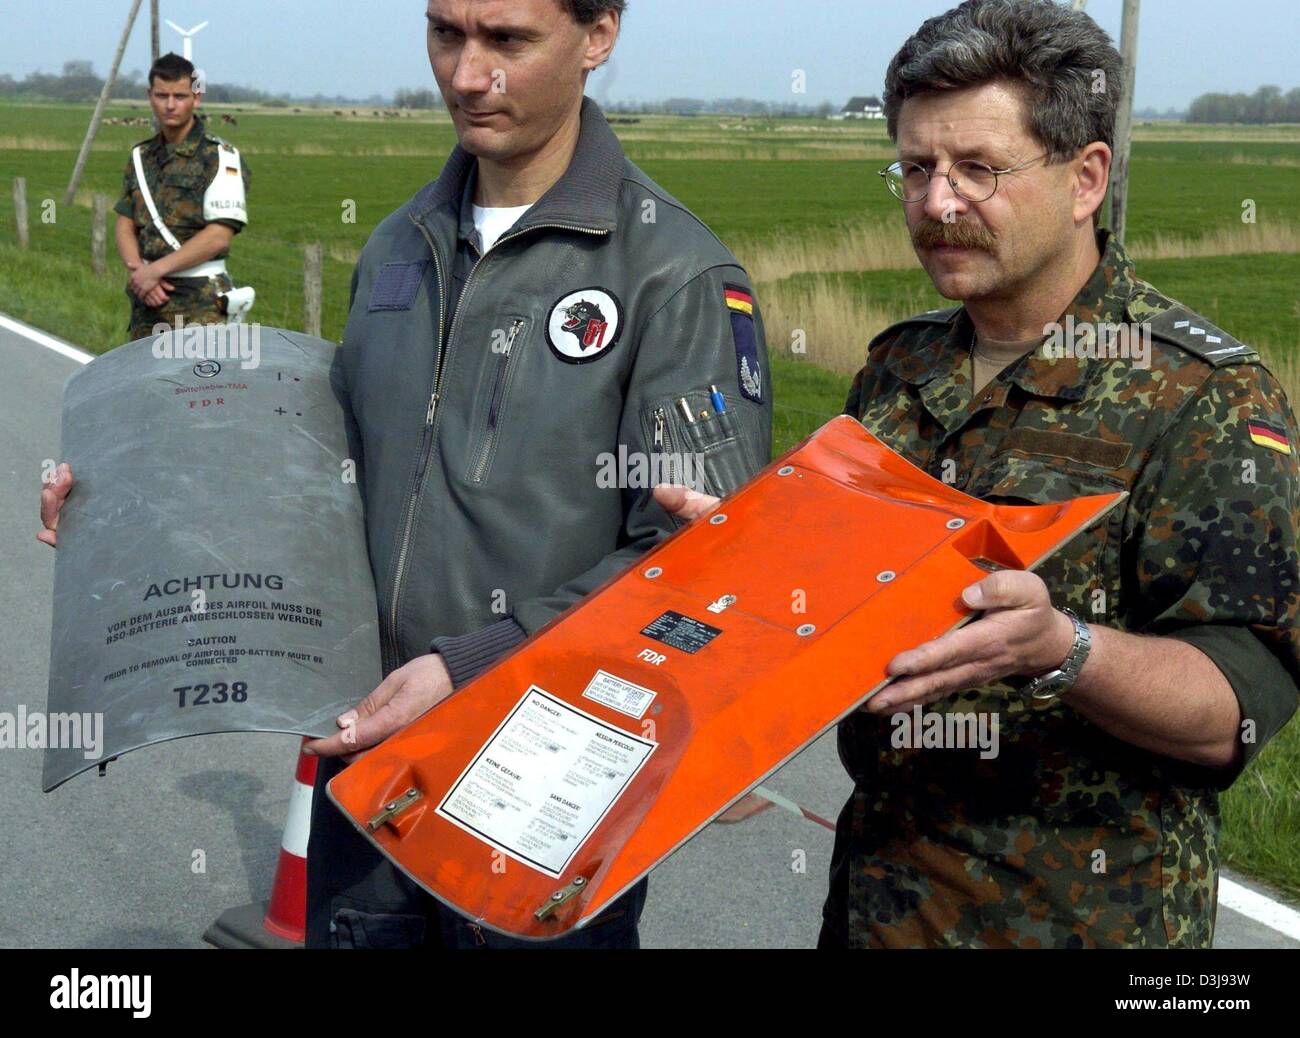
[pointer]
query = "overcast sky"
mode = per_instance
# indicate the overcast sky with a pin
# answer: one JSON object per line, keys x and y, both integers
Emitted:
{"x": 670, "y": 48}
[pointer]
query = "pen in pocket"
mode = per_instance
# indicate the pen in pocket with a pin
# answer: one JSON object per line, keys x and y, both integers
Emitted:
{"x": 724, "y": 416}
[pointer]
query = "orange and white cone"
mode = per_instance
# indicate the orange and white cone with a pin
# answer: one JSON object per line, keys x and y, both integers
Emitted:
{"x": 281, "y": 923}
{"x": 286, "y": 915}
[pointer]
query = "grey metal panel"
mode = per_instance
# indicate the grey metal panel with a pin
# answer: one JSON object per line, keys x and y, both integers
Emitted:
{"x": 194, "y": 478}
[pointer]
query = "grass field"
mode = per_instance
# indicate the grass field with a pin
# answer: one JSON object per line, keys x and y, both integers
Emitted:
{"x": 798, "y": 201}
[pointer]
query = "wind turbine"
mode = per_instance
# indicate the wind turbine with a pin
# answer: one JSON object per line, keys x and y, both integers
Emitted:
{"x": 187, "y": 37}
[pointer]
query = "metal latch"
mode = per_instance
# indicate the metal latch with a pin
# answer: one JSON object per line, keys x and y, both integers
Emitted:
{"x": 394, "y": 808}
{"x": 559, "y": 897}
{"x": 988, "y": 565}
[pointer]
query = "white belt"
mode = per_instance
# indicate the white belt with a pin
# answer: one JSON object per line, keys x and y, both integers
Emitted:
{"x": 201, "y": 270}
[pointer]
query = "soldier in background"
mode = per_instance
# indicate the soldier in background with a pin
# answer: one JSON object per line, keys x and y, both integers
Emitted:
{"x": 197, "y": 184}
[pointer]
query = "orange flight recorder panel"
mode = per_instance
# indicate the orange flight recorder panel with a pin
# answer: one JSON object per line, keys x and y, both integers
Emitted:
{"x": 540, "y": 792}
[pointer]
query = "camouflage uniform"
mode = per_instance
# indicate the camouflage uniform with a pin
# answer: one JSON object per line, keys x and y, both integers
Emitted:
{"x": 178, "y": 176}
{"x": 938, "y": 847}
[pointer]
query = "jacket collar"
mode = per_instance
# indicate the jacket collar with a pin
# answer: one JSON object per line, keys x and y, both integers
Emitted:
{"x": 1103, "y": 298}
{"x": 465, "y": 228}
{"x": 186, "y": 146}
{"x": 585, "y": 197}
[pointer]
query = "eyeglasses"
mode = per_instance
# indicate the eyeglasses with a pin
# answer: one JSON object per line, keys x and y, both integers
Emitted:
{"x": 971, "y": 179}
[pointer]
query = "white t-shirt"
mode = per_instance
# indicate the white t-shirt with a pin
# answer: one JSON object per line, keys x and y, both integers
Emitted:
{"x": 491, "y": 223}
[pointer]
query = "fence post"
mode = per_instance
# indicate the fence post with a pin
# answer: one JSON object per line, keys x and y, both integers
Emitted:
{"x": 98, "y": 236}
{"x": 20, "y": 210}
{"x": 311, "y": 288}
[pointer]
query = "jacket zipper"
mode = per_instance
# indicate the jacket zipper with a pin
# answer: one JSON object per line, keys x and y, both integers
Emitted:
{"x": 498, "y": 390}
{"x": 663, "y": 438}
{"x": 392, "y": 649}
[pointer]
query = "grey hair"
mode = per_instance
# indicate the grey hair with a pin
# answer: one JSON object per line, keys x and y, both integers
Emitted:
{"x": 1058, "y": 56}
{"x": 584, "y": 12}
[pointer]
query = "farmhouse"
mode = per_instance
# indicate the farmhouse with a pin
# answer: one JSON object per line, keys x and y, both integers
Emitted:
{"x": 861, "y": 108}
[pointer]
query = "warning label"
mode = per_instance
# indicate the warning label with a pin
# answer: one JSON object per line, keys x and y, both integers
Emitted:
{"x": 544, "y": 781}
{"x": 619, "y": 695}
{"x": 681, "y": 632}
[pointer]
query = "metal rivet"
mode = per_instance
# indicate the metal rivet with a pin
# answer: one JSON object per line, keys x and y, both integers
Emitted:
{"x": 558, "y": 896}
{"x": 654, "y": 571}
{"x": 785, "y": 470}
{"x": 579, "y": 880}
{"x": 803, "y": 630}
{"x": 955, "y": 524}
{"x": 718, "y": 520}
{"x": 885, "y": 576}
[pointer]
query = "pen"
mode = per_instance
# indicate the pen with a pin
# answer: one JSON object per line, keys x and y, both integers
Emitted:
{"x": 684, "y": 406}
{"x": 719, "y": 404}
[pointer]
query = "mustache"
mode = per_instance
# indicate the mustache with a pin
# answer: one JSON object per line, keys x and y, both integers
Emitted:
{"x": 965, "y": 234}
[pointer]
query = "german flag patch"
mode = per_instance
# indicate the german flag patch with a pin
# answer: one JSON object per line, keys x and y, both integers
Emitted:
{"x": 739, "y": 300}
{"x": 1265, "y": 434}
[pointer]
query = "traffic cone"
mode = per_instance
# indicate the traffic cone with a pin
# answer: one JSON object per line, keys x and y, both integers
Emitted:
{"x": 282, "y": 922}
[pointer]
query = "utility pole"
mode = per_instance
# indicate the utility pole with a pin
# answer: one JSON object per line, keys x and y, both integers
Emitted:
{"x": 155, "y": 48}
{"x": 1128, "y": 45}
{"x": 93, "y": 129}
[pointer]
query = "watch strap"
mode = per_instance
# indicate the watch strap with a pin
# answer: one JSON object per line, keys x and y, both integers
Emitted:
{"x": 1052, "y": 685}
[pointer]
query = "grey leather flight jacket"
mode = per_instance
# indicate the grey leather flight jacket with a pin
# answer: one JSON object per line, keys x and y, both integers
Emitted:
{"x": 484, "y": 455}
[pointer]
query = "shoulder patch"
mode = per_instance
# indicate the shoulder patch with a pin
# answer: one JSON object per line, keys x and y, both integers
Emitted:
{"x": 1268, "y": 434}
{"x": 942, "y": 316}
{"x": 1192, "y": 333}
{"x": 584, "y": 326}
{"x": 739, "y": 298}
{"x": 739, "y": 301}
{"x": 396, "y": 285}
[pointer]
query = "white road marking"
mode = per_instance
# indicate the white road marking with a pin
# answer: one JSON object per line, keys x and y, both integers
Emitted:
{"x": 1259, "y": 907}
{"x": 48, "y": 341}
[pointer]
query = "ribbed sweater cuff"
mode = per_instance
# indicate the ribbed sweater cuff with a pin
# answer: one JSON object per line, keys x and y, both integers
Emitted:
{"x": 468, "y": 655}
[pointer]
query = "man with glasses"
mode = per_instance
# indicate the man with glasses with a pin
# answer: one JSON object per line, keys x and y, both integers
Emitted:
{"x": 1134, "y": 675}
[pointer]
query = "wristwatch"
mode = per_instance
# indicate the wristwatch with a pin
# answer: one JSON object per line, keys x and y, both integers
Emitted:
{"x": 1054, "y": 684}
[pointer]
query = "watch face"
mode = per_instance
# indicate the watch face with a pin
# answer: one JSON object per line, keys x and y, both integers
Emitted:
{"x": 1050, "y": 688}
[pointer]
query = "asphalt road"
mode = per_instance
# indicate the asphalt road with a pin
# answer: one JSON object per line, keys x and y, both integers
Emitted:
{"x": 112, "y": 860}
